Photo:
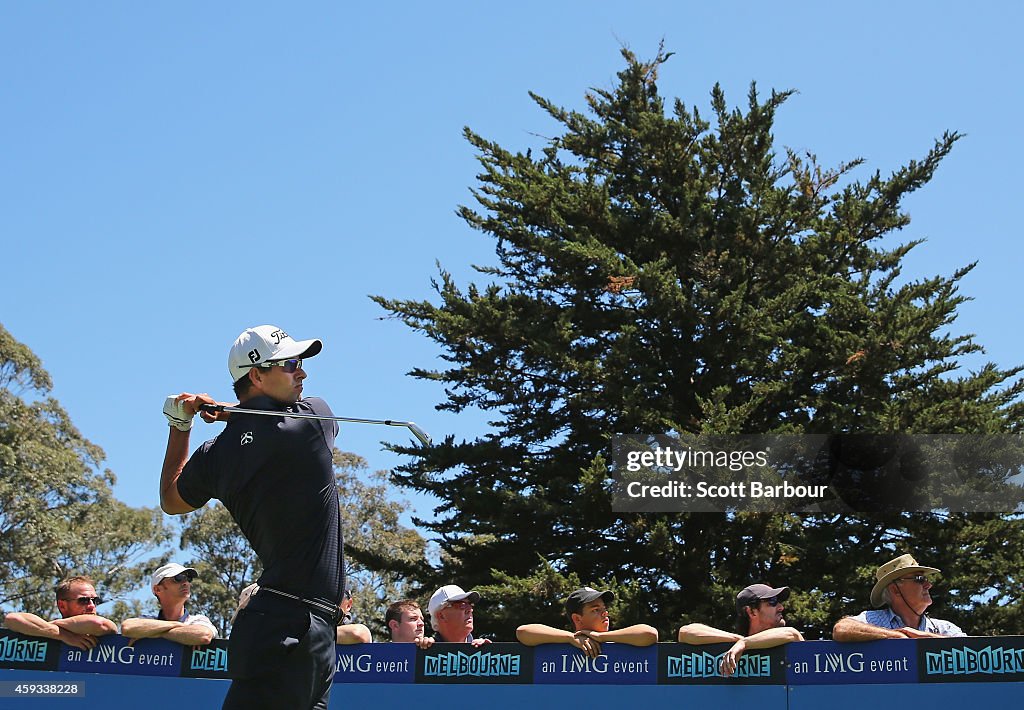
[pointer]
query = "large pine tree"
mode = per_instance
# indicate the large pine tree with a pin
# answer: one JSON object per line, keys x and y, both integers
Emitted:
{"x": 659, "y": 271}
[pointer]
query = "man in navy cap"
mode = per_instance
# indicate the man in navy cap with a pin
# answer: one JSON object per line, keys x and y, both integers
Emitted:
{"x": 587, "y": 609}
{"x": 759, "y": 624}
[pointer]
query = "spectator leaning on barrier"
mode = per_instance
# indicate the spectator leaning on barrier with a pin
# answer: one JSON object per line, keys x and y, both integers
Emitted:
{"x": 587, "y": 609}
{"x": 759, "y": 624}
{"x": 172, "y": 587}
{"x": 902, "y": 587}
{"x": 349, "y": 633}
{"x": 78, "y": 625}
{"x": 451, "y": 615}
{"x": 405, "y": 624}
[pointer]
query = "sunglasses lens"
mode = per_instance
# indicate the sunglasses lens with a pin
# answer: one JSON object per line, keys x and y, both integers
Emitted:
{"x": 289, "y": 366}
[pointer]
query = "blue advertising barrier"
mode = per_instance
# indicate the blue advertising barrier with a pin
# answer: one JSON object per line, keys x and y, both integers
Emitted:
{"x": 810, "y": 674}
{"x": 830, "y": 663}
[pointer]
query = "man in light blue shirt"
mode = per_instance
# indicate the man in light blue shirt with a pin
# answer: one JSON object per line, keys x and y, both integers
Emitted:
{"x": 902, "y": 587}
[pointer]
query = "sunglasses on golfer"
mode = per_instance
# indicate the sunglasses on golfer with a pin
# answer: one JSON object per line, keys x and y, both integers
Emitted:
{"x": 289, "y": 366}
{"x": 771, "y": 601}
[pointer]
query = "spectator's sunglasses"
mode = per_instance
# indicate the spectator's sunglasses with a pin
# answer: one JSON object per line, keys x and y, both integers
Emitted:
{"x": 461, "y": 605}
{"x": 186, "y": 576}
{"x": 771, "y": 601}
{"x": 919, "y": 578}
{"x": 85, "y": 600}
{"x": 289, "y": 366}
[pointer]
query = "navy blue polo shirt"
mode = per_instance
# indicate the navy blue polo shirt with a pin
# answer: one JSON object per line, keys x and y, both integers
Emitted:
{"x": 275, "y": 476}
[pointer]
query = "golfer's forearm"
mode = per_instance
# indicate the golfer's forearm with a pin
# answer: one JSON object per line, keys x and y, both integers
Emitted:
{"x": 171, "y": 501}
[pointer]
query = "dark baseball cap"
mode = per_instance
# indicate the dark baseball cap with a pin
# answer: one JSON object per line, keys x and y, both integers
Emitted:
{"x": 583, "y": 596}
{"x": 751, "y": 595}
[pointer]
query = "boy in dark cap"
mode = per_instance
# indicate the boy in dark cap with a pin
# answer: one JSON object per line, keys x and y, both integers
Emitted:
{"x": 587, "y": 609}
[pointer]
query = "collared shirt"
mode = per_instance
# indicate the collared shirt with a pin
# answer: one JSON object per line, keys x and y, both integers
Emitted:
{"x": 276, "y": 477}
{"x": 437, "y": 637}
{"x": 889, "y": 619}
{"x": 188, "y": 620}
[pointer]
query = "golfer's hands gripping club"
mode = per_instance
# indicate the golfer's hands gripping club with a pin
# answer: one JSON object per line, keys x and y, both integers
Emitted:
{"x": 180, "y": 409}
{"x": 178, "y": 415}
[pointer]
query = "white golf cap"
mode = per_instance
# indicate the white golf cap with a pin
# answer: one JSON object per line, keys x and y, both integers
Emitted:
{"x": 170, "y": 570}
{"x": 450, "y": 593}
{"x": 264, "y": 344}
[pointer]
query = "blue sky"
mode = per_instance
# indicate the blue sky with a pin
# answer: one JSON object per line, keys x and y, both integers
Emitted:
{"x": 172, "y": 173}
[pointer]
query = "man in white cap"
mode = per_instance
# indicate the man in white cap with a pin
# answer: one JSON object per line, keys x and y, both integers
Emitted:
{"x": 451, "y": 615}
{"x": 587, "y": 610}
{"x": 759, "y": 624}
{"x": 172, "y": 587}
{"x": 275, "y": 475}
{"x": 902, "y": 587}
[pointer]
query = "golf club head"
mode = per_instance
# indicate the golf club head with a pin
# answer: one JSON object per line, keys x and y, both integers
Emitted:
{"x": 419, "y": 434}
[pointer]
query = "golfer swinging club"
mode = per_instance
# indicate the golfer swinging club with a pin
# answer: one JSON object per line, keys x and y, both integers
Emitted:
{"x": 275, "y": 476}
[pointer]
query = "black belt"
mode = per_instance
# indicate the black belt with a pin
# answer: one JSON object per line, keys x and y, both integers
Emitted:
{"x": 322, "y": 609}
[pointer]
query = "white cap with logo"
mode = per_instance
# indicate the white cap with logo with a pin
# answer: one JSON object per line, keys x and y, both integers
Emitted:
{"x": 170, "y": 570}
{"x": 265, "y": 344}
{"x": 450, "y": 593}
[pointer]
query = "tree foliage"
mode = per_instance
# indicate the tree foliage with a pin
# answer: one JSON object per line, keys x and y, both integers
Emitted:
{"x": 660, "y": 270}
{"x": 58, "y": 515}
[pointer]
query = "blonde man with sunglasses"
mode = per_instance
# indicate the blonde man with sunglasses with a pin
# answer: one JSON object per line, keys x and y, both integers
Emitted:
{"x": 79, "y": 625}
{"x": 903, "y": 589}
{"x": 759, "y": 624}
{"x": 172, "y": 587}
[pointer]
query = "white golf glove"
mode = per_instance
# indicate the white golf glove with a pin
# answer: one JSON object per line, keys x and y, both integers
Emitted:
{"x": 176, "y": 414}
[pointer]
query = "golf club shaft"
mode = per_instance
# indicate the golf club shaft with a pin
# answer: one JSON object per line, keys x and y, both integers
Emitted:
{"x": 416, "y": 431}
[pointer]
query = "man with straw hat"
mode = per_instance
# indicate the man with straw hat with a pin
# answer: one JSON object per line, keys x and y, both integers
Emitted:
{"x": 902, "y": 588}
